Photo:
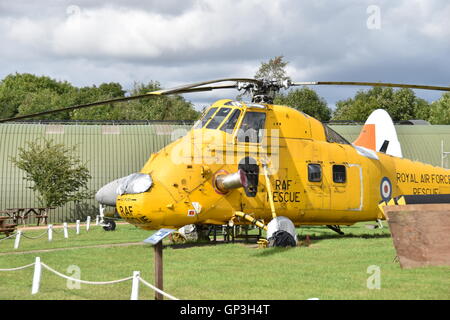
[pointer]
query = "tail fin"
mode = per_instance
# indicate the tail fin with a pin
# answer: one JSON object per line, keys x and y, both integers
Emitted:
{"x": 379, "y": 134}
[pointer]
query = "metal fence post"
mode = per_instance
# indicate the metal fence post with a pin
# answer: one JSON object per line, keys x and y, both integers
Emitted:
{"x": 17, "y": 241}
{"x": 135, "y": 286}
{"x": 36, "y": 276}
{"x": 66, "y": 233}
{"x": 50, "y": 232}
{"x": 88, "y": 223}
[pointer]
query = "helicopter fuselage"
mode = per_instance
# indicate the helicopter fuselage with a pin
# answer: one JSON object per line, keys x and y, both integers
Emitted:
{"x": 316, "y": 177}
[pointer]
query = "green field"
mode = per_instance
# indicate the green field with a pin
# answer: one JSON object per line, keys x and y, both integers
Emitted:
{"x": 332, "y": 267}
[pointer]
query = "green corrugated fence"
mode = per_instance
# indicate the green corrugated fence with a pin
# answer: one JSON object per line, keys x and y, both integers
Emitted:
{"x": 110, "y": 152}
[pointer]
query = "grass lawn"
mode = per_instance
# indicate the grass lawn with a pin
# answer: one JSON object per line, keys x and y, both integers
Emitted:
{"x": 95, "y": 236}
{"x": 332, "y": 267}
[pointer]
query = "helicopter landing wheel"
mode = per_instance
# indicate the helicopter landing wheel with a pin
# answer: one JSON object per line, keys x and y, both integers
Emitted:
{"x": 281, "y": 233}
{"x": 177, "y": 238}
{"x": 109, "y": 225}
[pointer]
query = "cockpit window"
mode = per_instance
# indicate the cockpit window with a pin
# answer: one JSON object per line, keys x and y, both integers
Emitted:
{"x": 201, "y": 123}
{"x": 218, "y": 118}
{"x": 251, "y": 127}
{"x": 333, "y": 136}
{"x": 229, "y": 125}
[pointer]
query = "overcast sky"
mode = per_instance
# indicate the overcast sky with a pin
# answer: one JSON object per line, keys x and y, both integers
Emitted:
{"x": 176, "y": 42}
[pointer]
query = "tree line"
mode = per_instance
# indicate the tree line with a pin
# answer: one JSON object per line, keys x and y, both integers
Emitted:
{"x": 22, "y": 94}
{"x": 401, "y": 104}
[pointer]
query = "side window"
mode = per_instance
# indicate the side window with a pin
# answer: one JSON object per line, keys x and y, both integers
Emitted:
{"x": 229, "y": 125}
{"x": 201, "y": 123}
{"x": 339, "y": 174}
{"x": 314, "y": 172}
{"x": 252, "y": 127}
{"x": 218, "y": 118}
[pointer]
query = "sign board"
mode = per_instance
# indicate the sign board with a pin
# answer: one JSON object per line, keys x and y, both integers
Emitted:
{"x": 158, "y": 236}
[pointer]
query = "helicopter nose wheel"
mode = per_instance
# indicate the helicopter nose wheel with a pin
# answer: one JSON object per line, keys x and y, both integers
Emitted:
{"x": 109, "y": 225}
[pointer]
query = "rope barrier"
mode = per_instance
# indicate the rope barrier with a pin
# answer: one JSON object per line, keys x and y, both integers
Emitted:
{"x": 37, "y": 276}
{"x": 157, "y": 290}
{"x": 19, "y": 268}
{"x": 13, "y": 235}
{"x": 84, "y": 281}
{"x": 50, "y": 230}
{"x": 37, "y": 237}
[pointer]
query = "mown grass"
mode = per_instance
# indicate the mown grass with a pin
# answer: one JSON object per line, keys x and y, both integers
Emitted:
{"x": 332, "y": 267}
{"x": 95, "y": 236}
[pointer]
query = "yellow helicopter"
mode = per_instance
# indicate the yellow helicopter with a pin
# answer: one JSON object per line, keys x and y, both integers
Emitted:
{"x": 269, "y": 165}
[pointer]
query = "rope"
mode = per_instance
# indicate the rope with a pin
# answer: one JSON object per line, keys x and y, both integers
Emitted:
{"x": 37, "y": 237}
{"x": 157, "y": 290}
{"x": 19, "y": 268}
{"x": 13, "y": 235}
{"x": 84, "y": 281}
{"x": 94, "y": 282}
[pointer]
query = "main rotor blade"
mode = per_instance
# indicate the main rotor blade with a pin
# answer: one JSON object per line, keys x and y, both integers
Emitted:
{"x": 177, "y": 90}
{"x": 202, "y": 89}
{"x": 81, "y": 106}
{"x": 199, "y": 84}
{"x": 372, "y": 84}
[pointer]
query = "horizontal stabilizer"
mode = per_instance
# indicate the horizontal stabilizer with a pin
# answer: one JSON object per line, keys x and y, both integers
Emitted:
{"x": 422, "y": 199}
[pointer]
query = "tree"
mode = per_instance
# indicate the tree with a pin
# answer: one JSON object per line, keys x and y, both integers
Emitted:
{"x": 173, "y": 107}
{"x": 274, "y": 69}
{"x": 400, "y": 104}
{"x": 15, "y": 88}
{"x": 85, "y": 95}
{"x": 23, "y": 94}
{"x": 44, "y": 100}
{"x": 440, "y": 110}
{"x": 307, "y": 101}
{"x": 58, "y": 176}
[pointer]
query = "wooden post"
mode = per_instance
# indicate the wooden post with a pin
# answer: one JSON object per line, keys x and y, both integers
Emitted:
{"x": 159, "y": 269}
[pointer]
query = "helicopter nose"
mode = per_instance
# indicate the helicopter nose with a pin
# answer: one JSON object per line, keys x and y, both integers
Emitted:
{"x": 107, "y": 194}
{"x": 133, "y": 183}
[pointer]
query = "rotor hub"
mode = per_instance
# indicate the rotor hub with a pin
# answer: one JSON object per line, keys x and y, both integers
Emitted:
{"x": 264, "y": 90}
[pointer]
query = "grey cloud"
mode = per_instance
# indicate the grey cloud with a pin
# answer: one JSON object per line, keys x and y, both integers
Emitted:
{"x": 198, "y": 40}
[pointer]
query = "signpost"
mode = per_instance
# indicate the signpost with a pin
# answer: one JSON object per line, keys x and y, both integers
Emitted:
{"x": 156, "y": 241}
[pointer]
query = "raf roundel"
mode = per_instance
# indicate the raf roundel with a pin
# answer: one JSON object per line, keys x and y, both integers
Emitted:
{"x": 386, "y": 189}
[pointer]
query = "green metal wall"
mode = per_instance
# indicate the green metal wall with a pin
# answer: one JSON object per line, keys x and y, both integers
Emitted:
{"x": 114, "y": 151}
{"x": 110, "y": 151}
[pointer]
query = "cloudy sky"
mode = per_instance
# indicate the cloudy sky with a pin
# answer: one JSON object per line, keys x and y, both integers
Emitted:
{"x": 176, "y": 42}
